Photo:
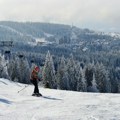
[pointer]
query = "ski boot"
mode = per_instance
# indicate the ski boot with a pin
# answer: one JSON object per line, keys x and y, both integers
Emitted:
{"x": 38, "y": 94}
{"x": 34, "y": 94}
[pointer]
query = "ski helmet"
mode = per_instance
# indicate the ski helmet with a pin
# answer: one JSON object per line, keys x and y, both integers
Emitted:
{"x": 37, "y": 69}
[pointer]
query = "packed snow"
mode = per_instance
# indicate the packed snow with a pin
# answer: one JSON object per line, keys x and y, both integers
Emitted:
{"x": 55, "y": 104}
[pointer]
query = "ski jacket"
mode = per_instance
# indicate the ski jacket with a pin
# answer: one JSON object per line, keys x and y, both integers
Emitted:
{"x": 34, "y": 73}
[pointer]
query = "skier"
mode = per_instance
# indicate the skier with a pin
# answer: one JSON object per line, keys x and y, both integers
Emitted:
{"x": 34, "y": 77}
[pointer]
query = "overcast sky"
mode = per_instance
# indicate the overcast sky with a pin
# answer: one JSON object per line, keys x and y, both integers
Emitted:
{"x": 103, "y": 15}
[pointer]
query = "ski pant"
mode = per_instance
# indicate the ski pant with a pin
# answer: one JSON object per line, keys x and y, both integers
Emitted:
{"x": 35, "y": 83}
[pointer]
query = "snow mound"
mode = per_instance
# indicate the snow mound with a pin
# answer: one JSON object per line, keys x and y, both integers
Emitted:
{"x": 55, "y": 104}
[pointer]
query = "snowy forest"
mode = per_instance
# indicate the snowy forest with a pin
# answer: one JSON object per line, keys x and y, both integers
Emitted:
{"x": 64, "y": 74}
{"x": 69, "y": 58}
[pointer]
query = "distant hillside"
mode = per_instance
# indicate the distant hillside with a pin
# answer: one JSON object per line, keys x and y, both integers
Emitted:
{"x": 19, "y": 31}
{"x": 32, "y": 32}
{"x": 32, "y": 41}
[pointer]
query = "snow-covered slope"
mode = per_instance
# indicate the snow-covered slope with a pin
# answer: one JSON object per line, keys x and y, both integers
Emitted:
{"x": 56, "y": 105}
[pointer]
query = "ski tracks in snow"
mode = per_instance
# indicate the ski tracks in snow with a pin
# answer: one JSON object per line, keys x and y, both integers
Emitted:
{"x": 56, "y": 104}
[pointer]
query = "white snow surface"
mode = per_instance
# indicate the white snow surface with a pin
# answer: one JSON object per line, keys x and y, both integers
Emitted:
{"x": 56, "y": 104}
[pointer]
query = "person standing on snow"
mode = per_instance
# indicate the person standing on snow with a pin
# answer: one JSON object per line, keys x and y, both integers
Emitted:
{"x": 34, "y": 77}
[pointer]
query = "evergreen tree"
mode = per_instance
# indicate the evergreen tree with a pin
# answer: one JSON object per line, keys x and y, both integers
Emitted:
{"x": 117, "y": 71}
{"x": 48, "y": 72}
{"x": 89, "y": 70}
{"x": 94, "y": 85}
{"x": 23, "y": 70}
{"x": 84, "y": 87}
{"x": 113, "y": 80}
{"x": 62, "y": 75}
{"x": 3, "y": 67}
{"x": 102, "y": 79}
{"x": 12, "y": 71}
{"x": 81, "y": 82}
{"x": 71, "y": 74}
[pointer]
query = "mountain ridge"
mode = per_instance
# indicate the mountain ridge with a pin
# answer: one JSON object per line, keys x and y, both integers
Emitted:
{"x": 58, "y": 36}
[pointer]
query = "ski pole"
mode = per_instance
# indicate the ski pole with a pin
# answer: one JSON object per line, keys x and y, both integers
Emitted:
{"x": 23, "y": 88}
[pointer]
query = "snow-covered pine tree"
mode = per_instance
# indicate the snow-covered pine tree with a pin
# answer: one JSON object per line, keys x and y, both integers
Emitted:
{"x": 80, "y": 80}
{"x": 71, "y": 73}
{"x": 81, "y": 83}
{"x": 84, "y": 82}
{"x": 23, "y": 70}
{"x": 108, "y": 83}
{"x": 117, "y": 71}
{"x": 3, "y": 67}
{"x": 12, "y": 71}
{"x": 48, "y": 72}
{"x": 62, "y": 75}
{"x": 89, "y": 70}
{"x": 102, "y": 80}
{"x": 94, "y": 85}
{"x": 113, "y": 80}
{"x": 27, "y": 71}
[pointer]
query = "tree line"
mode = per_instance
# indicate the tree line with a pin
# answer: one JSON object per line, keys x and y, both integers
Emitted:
{"x": 65, "y": 74}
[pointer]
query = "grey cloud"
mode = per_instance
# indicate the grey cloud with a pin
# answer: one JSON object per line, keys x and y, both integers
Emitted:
{"x": 83, "y": 13}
